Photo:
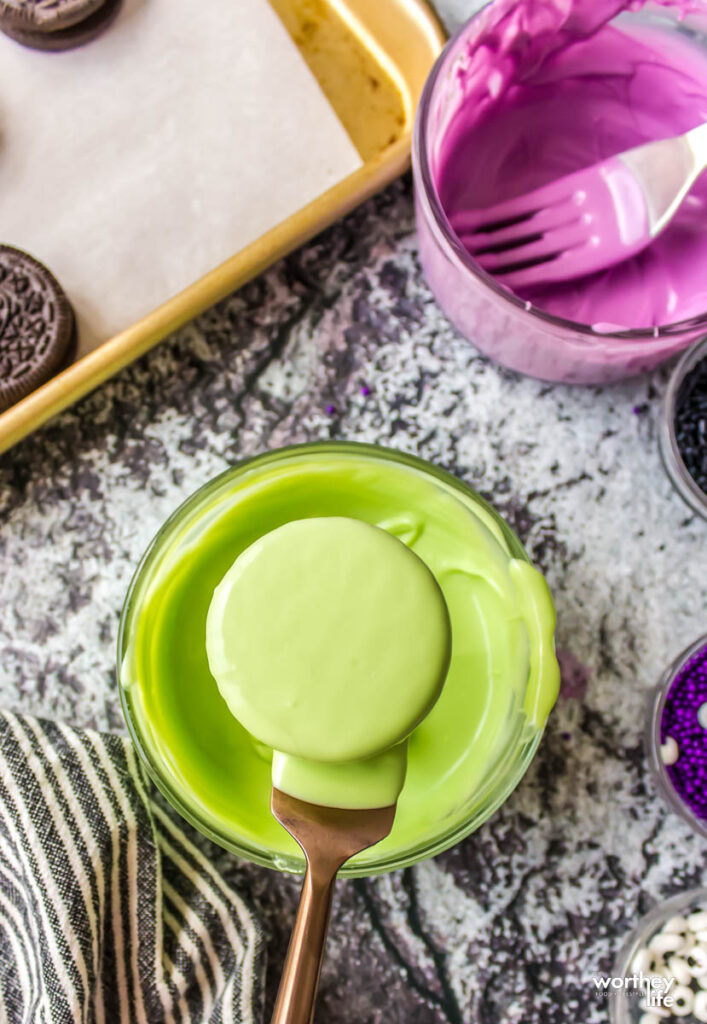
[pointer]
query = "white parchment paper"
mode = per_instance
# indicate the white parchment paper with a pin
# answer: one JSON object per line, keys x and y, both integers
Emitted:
{"x": 135, "y": 164}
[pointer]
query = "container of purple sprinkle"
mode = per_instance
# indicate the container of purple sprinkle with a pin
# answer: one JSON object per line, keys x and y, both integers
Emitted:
{"x": 683, "y": 430}
{"x": 676, "y": 735}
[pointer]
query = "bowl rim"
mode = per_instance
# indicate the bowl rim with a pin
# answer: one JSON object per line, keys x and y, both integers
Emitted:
{"x": 676, "y": 469}
{"x": 491, "y": 800}
{"x": 656, "y": 704}
{"x": 427, "y": 193}
{"x": 661, "y": 912}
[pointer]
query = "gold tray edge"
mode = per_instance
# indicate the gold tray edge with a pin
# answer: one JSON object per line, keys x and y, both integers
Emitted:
{"x": 116, "y": 353}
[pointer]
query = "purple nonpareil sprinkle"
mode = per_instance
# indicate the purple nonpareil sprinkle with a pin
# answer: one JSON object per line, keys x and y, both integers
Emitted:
{"x": 365, "y": 390}
{"x": 331, "y": 409}
{"x": 687, "y": 694}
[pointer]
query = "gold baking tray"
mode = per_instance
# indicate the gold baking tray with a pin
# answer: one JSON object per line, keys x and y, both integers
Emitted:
{"x": 371, "y": 58}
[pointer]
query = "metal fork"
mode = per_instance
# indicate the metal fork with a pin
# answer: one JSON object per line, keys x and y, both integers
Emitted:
{"x": 588, "y": 220}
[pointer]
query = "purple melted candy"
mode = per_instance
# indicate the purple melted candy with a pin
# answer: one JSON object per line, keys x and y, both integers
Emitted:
{"x": 548, "y": 87}
{"x": 687, "y": 694}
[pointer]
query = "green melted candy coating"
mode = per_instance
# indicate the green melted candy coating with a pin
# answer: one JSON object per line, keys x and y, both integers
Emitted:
{"x": 329, "y": 640}
{"x": 501, "y": 684}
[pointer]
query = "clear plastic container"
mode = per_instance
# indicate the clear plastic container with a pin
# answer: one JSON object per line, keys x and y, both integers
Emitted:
{"x": 623, "y": 1002}
{"x": 502, "y": 326}
{"x": 652, "y": 738}
{"x": 672, "y": 460}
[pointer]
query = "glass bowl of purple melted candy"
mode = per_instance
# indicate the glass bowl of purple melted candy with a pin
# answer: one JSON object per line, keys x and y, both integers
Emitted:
{"x": 676, "y": 735}
{"x": 524, "y": 94}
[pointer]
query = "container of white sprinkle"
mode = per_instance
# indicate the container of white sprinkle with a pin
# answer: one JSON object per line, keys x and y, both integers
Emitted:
{"x": 660, "y": 973}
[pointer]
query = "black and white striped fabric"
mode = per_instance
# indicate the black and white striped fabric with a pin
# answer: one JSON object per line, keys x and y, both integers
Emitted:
{"x": 109, "y": 913}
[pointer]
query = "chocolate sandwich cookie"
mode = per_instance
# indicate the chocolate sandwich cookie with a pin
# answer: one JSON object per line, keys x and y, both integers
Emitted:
{"x": 56, "y": 24}
{"x": 36, "y": 325}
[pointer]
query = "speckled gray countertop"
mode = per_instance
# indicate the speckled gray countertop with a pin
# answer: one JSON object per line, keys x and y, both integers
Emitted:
{"x": 511, "y": 924}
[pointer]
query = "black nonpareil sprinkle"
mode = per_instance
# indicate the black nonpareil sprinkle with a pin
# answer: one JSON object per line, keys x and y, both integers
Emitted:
{"x": 691, "y": 423}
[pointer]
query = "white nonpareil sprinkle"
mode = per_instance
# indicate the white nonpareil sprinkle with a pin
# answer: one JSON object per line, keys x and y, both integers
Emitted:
{"x": 642, "y": 962}
{"x": 698, "y": 920}
{"x": 666, "y": 942}
{"x": 669, "y": 751}
{"x": 696, "y": 960}
{"x": 700, "y": 1007}
{"x": 676, "y": 925}
{"x": 655, "y": 1011}
{"x": 683, "y": 1001}
{"x": 702, "y": 715}
{"x": 678, "y": 969}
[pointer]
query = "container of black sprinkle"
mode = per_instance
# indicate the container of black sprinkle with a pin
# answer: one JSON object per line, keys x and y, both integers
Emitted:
{"x": 683, "y": 433}
{"x": 676, "y": 735}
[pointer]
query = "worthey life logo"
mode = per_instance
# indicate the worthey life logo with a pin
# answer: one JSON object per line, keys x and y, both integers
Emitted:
{"x": 654, "y": 988}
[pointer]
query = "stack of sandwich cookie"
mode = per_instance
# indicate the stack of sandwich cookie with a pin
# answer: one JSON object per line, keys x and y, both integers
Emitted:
{"x": 55, "y": 24}
{"x": 37, "y": 331}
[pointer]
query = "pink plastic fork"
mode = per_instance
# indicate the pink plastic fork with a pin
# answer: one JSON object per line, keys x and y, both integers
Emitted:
{"x": 588, "y": 220}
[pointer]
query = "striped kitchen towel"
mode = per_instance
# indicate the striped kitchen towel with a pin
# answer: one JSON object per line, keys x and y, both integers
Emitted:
{"x": 109, "y": 913}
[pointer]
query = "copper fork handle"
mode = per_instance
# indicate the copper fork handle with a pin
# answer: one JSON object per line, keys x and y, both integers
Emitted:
{"x": 300, "y": 976}
{"x": 328, "y": 837}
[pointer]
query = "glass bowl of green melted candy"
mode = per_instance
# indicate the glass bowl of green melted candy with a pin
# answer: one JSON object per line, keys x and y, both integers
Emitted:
{"x": 463, "y": 758}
